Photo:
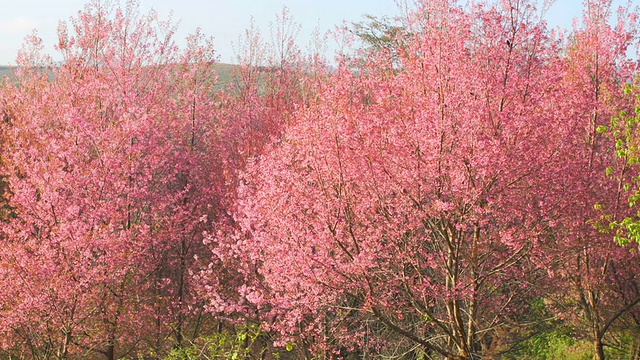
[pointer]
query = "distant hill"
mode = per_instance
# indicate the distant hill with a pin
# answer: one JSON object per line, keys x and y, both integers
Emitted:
{"x": 5, "y": 71}
{"x": 225, "y": 72}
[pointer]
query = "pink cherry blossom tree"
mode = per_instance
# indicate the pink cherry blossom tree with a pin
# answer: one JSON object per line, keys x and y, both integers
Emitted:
{"x": 419, "y": 196}
{"x": 114, "y": 175}
{"x": 594, "y": 273}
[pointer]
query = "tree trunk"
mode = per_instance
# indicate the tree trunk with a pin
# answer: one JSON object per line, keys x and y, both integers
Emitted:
{"x": 598, "y": 348}
{"x": 110, "y": 352}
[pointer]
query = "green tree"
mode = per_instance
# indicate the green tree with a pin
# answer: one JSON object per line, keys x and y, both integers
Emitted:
{"x": 624, "y": 130}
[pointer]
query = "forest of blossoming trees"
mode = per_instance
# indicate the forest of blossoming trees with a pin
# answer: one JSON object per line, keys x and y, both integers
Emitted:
{"x": 463, "y": 187}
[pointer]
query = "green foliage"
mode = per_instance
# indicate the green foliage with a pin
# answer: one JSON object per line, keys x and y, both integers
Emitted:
{"x": 556, "y": 344}
{"x": 624, "y": 344}
{"x": 235, "y": 344}
{"x": 624, "y": 129}
{"x": 378, "y": 33}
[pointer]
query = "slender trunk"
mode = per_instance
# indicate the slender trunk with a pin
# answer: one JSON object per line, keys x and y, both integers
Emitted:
{"x": 110, "y": 353}
{"x": 598, "y": 348}
{"x": 473, "y": 303}
{"x": 592, "y": 303}
{"x": 65, "y": 346}
{"x": 181, "y": 285}
{"x": 454, "y": 306}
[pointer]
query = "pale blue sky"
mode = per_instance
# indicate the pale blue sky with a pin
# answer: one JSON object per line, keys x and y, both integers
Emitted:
{"x": 225, "y": 20}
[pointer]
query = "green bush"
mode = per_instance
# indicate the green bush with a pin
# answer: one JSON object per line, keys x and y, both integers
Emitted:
{"x": 228, "y": 345}
{"x": 556, "y": 344}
